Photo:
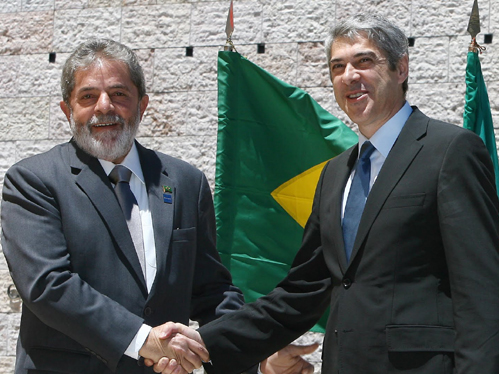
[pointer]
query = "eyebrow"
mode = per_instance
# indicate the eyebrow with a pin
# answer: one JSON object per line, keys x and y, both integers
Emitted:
{"x": 357, "y": 55}
{"x": 113, "y": 87}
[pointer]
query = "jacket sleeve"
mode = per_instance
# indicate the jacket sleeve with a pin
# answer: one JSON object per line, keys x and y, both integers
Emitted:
{"x": 468, "y": 211}
{"x": 213, "y": 293}
{"x": 241, "y": 339}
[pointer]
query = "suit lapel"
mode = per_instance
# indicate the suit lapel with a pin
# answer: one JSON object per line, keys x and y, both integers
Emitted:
{"x": 404, "y": 151}
{"x": 161, "y": 192}
{"x": 92, "y": 179}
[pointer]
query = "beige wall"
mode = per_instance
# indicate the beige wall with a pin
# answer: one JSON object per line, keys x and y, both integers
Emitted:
{"x": 182, "y": 116}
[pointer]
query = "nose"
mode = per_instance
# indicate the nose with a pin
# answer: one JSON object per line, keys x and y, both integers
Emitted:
{"x": 350, "y": 75}
{"x": 104, "y": 104}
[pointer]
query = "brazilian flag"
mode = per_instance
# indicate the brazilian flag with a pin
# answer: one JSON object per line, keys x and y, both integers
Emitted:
{"x": 273, "y": 141}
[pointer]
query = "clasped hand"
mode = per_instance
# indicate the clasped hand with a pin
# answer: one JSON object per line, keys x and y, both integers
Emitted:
{"x": 174, "y": 348}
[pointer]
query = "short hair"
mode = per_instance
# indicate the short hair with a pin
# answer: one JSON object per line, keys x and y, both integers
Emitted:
{"x": 385, "y": 35}
{"x": 93, "y": 50}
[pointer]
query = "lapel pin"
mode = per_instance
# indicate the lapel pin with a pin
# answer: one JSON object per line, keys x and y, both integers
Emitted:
{"x": 167, "y": 195}
{"x": 167, "y": 198}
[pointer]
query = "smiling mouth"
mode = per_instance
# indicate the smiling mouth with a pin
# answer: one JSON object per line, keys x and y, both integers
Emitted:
{"x": 356, "y": 95}
{"x": 105, "y": 124}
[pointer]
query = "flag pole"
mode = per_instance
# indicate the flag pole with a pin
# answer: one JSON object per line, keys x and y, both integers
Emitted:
{"x": 229, "y": 29}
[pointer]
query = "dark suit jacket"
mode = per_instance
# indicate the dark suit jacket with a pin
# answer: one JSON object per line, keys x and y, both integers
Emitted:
{"x": 421, "y": 293}
{"x": 74, "y": 264}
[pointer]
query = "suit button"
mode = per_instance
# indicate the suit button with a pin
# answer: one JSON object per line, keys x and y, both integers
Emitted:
{"x": 147, "y": 311}
{"x": 347, "y": 283}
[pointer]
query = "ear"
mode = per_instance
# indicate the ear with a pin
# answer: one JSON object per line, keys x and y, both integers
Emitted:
{"x": 143, "y": 105}
{"x": 66, "y": 109}
{"x": 403, "y": 68}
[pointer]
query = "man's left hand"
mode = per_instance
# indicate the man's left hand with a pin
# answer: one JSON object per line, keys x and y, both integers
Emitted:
{"x": 289, "y": 361}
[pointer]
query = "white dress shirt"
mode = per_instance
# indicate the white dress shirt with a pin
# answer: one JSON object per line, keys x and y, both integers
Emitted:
{"x": 138, "y": 187}
{"x": 383, "y": 140}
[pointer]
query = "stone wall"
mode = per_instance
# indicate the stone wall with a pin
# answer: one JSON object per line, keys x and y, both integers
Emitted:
{"x": 182, "y": 116}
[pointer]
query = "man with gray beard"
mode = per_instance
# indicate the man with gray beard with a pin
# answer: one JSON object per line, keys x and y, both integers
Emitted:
{"x": 107, "y": 240}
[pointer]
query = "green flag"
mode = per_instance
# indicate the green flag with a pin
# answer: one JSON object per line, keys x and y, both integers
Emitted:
{"x": 477, "y": 115}
{"x": 273, "y": 140}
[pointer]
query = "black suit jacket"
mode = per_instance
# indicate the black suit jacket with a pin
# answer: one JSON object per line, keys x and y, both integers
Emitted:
{"x": 420, "y": 294}
{"x": 74, "y": 264}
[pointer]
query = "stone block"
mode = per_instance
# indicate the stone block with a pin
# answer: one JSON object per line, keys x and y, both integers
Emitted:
{"x": 156, "y": 26}
{"x": 434, "y": 19}
{"x": 312, "y": 65}
{"x": 37, "y": 76}
{"x": 24, "y": 118}
{"x": 13, "y": 333}
{"x": 199, "y": 151}
{"x": 174, "y": 71}
{"x": 104, "y": 3}
{"x": 443, "y": 101}
{"x": 458, "y": 52}
{"x": 280, "y": 60}
{"x": 298, "y": 21}
{"x": 429, "y": 61}
{"x": 209, "y": 20}
{"x": 146, "y": 60}
{"x": 37, "y": 5}
{"x": 7, "y": 305}
{"x": 7, "y": 157}
{"x": 7, "y": 364}
{"x": 201, "y": 113}
{"x": 9, "y": 66}
{"x": 30, "y": 148}
{"x": 165, "y": 115}
{"x": 74, "y": 26}
{"x": 26, "y": 32}
{"x": 59, "y": 128}
{"x": 10, "y": 6}
{"x": 70, "y": 4}
{"x": 398, "y": 12}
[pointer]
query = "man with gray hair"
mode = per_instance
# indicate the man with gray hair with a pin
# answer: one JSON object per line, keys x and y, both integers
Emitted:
{"x": 107, "y": 240}
{"x": 402, "y": 242}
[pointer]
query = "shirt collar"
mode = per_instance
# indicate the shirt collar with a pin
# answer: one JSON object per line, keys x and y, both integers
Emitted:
{"x": 385, "y": 137}
{"x": 131, "y": 161}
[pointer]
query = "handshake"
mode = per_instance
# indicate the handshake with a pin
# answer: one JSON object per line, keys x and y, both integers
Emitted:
{"x": 174, "y": 348}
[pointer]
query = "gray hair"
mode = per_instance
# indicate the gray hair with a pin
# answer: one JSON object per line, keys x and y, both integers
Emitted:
{"x": 92, "y": 51}
{"x": 385, "y": 36}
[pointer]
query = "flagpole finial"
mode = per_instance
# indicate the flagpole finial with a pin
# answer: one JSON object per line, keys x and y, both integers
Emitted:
{"x": 229, "y": 29}
{"x": 474, "y": 22}
{"x": 474, "y": 29}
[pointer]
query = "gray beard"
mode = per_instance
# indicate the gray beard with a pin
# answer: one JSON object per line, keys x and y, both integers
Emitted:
{"x": 111, "y": 145}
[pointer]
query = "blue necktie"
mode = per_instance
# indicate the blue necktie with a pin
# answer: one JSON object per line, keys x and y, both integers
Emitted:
{"x": 120, "y": 176}
{"x": 357, "y": 197}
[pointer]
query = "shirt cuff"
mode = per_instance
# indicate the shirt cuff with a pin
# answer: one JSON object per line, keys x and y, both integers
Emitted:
{"x": 138, "y": 341}
{"x": 258, "y": 370}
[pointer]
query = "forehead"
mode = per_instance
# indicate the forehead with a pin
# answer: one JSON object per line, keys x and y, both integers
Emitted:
{"x": 343, "y": 48}
{"x": 103, "y": 74}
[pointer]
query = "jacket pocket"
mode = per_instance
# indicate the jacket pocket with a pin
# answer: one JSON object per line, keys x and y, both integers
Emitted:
{"x": 184, "y": 235}
{"x": 420, "y": 338}
{"x": 52, "y": 360}
{"x": 405, "y": 201}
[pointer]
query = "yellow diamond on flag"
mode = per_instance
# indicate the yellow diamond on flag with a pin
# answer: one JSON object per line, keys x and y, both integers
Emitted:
{"x": 297, "y": 195}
